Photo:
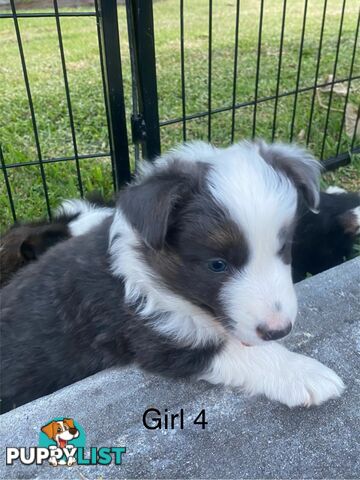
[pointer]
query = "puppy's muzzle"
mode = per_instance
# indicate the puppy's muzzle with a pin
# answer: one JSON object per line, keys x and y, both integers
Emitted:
{"x": 265, "y": 334}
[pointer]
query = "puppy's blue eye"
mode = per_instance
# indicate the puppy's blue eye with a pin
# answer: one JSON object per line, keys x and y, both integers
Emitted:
{"x": 217, "y": 265}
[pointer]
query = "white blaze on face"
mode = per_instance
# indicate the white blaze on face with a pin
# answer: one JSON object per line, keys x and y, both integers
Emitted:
{"x": 263, "y": 203}
{"x": 64, "y": 434}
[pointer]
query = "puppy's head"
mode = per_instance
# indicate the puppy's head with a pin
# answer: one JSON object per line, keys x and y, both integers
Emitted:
{"x": 61, "y": 431}
{"x": 215, "y": 227}
{"x": 24, "y": 243}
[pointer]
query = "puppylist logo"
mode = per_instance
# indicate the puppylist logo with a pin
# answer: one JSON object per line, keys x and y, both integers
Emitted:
{"x": 62, "y": 443}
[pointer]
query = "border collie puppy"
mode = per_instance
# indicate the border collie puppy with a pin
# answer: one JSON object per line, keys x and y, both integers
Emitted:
{"x": 326, "y": 239}
{"x": 25, "y": 242}
{"x": 190, "y": 277}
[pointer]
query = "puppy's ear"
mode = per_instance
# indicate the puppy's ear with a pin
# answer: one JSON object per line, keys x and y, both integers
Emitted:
{"x": 41, "y": 239}
{"x": 297, "y": 164}
{"x": 28, "y": 250}
{"x": 69, "y": 422}
{"x": 151, "y": 204}
{"x": 49, "y": 430}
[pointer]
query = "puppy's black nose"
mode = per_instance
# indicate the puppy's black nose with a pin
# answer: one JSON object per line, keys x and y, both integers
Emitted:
{"x": 72, "y": 431}
{"x": 267, "y": 334}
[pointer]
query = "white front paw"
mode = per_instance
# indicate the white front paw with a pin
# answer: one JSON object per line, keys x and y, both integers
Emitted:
{"x": 305, "y": 382}
{"x": 71, "y": 461}
{"x": 53, "y": 461}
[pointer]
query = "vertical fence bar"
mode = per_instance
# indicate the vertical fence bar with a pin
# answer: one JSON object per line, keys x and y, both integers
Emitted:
{"x": 31, "y": 105}
{"x": 182, "y": 61}
{"x": 7, "y": 184}
{"x": 134, "y": 88}
{"x": 68, "y": 98}
{"x": 111, "y": 56}
{"x": 333, "y": 78}
{"x": 141, "y": 36}
{"x": 209, "y": 69}
{"x": 316, "y": 80}
{"x": 348, "y": 85}
{"x": 236, "y": 52}
{"x": 102, "y": 63}
{"x": 279, "y": 70}
{"x": 258, "y": 68}
{"x": 298, "y": 71}
{"x": 355, "y": 129}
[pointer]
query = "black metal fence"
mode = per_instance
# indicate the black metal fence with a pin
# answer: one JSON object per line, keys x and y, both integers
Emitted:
{"x": 138, "y": 124}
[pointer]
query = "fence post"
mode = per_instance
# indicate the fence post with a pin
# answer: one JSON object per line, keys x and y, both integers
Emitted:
{"x": 114, "y": 93}
{"x": 145, "y": 124}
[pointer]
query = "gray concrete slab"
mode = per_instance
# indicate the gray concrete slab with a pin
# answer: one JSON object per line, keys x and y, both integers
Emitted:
{"x": 244, "y": 438}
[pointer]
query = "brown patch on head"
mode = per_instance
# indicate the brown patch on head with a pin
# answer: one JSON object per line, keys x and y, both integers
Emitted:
{"x": 203, "y": 229}
{"x": 222, "y": 235}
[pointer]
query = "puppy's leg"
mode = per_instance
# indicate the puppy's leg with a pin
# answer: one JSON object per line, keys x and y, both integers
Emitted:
{"x": 274, "y": 371}
{"x": 71, "y": 461}
{"x": 53, "y": 461}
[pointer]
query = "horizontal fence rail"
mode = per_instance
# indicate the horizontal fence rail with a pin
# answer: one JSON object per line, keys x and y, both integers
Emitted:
{"x": 105, "y": 16}
{"x": 335, "y": 160}
{"x": 135, "y": 100}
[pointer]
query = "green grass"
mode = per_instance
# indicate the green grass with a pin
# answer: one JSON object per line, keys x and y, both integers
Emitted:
{"x": 81, "y": 49}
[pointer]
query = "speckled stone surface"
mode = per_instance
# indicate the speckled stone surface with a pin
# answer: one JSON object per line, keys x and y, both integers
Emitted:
{"x": 244, "y": 437}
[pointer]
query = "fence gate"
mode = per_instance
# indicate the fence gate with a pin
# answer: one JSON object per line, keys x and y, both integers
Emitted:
{"x": 140, "y": 126}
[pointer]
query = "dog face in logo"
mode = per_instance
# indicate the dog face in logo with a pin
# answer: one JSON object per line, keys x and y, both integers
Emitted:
{"x": 61, "y": 432}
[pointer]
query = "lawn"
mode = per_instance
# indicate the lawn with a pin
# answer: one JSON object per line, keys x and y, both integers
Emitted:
{"x": 82, "y": 60}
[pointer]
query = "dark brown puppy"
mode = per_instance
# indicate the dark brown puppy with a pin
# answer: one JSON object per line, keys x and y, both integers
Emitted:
{"x": 24, "y": 243}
